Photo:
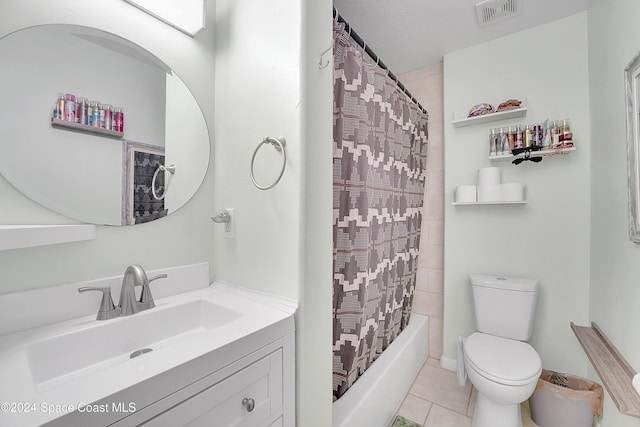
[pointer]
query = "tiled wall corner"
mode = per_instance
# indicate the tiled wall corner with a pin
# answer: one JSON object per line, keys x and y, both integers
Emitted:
{"x": 426, "y": 85}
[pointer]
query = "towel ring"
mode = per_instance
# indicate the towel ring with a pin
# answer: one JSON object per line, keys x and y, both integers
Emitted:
{"x": 172, "y": 170}
{"x": 279, "y": 144}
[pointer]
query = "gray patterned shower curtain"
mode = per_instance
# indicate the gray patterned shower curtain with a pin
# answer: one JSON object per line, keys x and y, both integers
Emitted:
{"x": 379, "y": 159}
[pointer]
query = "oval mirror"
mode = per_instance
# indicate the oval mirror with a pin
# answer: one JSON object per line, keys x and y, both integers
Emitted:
{"x": 72, "y": 156}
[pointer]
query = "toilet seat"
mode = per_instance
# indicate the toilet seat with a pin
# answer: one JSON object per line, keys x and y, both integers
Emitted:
{"x": 502, "y": 360}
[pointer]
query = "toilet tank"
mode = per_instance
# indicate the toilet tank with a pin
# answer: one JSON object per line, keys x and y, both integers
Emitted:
{"x": 504, "y": 306}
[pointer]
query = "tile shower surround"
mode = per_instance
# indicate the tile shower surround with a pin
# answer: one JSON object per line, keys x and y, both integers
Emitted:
{"x": 426, "y": 85}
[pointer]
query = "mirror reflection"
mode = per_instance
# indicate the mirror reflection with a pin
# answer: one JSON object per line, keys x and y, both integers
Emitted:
{"x": 150, "y": 169}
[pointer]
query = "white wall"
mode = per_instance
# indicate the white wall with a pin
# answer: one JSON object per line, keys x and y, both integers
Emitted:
{"x": 315, "y": 320}
{"x": 614, "y": 39}
{"x": 268, "y": 84}
{"x": 258, "y": 86}
{"x": 189, "y": 231}
{"x": 547, "y": 239}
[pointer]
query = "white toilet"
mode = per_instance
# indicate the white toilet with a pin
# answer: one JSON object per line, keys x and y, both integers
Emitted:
{"x": 502, "y": 367}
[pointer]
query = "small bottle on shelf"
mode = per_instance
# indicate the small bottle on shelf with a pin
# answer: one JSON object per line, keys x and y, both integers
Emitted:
{"x": 546, "y": 139}
{"x": 81, "y": 111}
{"x": 555, "y": 133}
{"x": 96, "y": 114}
{"x": 528, "y": 136}
{"x": 519, "y": 137}
{"x": 536, "y": 135}
{"x": 89, "y": 113}
{"x": 108, "y": 117}
{"x": 70, "y": 107}
{"x": 504, "y": 142}
{"x": 60, "y": 106}
{"x": 119, "y": 120}
{"x": 511, "y": 137}
{"x": 566, "y": 136}
{"x": 101, "y": 109}
{"x": 493, "y": 139}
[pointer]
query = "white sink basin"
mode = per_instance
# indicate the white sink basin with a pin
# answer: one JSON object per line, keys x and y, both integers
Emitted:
{"x": 56, "y": 355}
{"x": 101, "y": 345}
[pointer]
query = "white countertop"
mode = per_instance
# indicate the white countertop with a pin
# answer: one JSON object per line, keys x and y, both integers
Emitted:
{"x": 261, "y": 319}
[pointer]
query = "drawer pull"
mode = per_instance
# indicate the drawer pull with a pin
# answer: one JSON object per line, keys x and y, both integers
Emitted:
{"x": 249, "y": 403}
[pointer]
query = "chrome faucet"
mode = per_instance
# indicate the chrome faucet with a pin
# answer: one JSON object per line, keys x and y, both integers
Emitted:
{"x": 128, "y": 305}
{"x": 107, "y": 309}
{"x": 136, "y": 276}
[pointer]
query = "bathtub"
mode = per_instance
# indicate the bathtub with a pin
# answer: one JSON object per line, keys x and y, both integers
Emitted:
{"x": 376, "y": 396}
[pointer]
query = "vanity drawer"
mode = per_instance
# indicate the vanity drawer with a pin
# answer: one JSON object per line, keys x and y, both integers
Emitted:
{"x": 222, "y": 403}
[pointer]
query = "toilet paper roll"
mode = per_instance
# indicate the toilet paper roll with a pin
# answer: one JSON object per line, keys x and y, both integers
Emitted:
{"x": 466, "y": 193}
{"x": 512, "y": 192}
{"x": 489, "y": 176}
{"x": 489, "y": 193}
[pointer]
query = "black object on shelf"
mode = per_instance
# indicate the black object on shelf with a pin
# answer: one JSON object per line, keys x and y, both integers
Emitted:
{"x": 527, "y": 154}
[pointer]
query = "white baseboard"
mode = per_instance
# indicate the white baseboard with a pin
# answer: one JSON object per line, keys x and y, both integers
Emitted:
{"x": 449, "y": 363}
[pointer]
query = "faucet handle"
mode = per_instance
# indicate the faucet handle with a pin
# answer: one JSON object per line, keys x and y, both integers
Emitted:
{"x": 159, "y": 276}
{"x": 107, "y": 309}
{"x": 146, "y": 299}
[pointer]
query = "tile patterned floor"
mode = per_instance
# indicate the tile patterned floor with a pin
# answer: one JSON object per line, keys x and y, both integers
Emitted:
{"x": 436, "y": 400}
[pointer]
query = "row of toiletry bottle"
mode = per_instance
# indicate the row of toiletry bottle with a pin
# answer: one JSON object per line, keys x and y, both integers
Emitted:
{"x": 89, "y": 113}
{"x": 548, "y": 135}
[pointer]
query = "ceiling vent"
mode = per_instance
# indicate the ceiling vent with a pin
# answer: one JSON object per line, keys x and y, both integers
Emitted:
{"x": 492, "y": 11}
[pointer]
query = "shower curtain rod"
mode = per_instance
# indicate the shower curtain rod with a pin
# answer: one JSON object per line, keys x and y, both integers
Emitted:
{"x": 375, "y": 57}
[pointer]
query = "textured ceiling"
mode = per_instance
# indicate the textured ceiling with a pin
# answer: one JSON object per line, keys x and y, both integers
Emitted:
{"x": 411, "y": 34}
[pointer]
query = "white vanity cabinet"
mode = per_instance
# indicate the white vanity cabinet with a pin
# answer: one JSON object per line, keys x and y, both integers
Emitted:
{"x": 217, "y": 355}
{"x": 254, "y": 391}
{"x": 250, "y": 397}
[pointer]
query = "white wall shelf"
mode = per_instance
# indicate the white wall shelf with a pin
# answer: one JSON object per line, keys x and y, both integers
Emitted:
{"x": 490, "y": 117}
{"x": 27, "y": 236}
{"x": 77, "y": 127}
{"x": 495, "y": 202}
{"x": 543, "y": 153}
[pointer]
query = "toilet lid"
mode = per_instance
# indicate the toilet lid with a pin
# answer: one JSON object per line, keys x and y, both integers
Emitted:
{"x": 502, "y": 360}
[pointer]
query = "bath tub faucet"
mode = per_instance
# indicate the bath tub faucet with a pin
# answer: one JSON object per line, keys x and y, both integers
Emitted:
{"x": 136, "y": 276}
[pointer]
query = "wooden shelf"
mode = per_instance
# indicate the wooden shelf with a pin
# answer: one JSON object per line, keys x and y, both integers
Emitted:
{"x": 490, "y": 117}
{"x": 543, "y": 153}
{"x": 77, "y": 127}
{"x": 614, "y": 371}
{"x": 27, "y": 236}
